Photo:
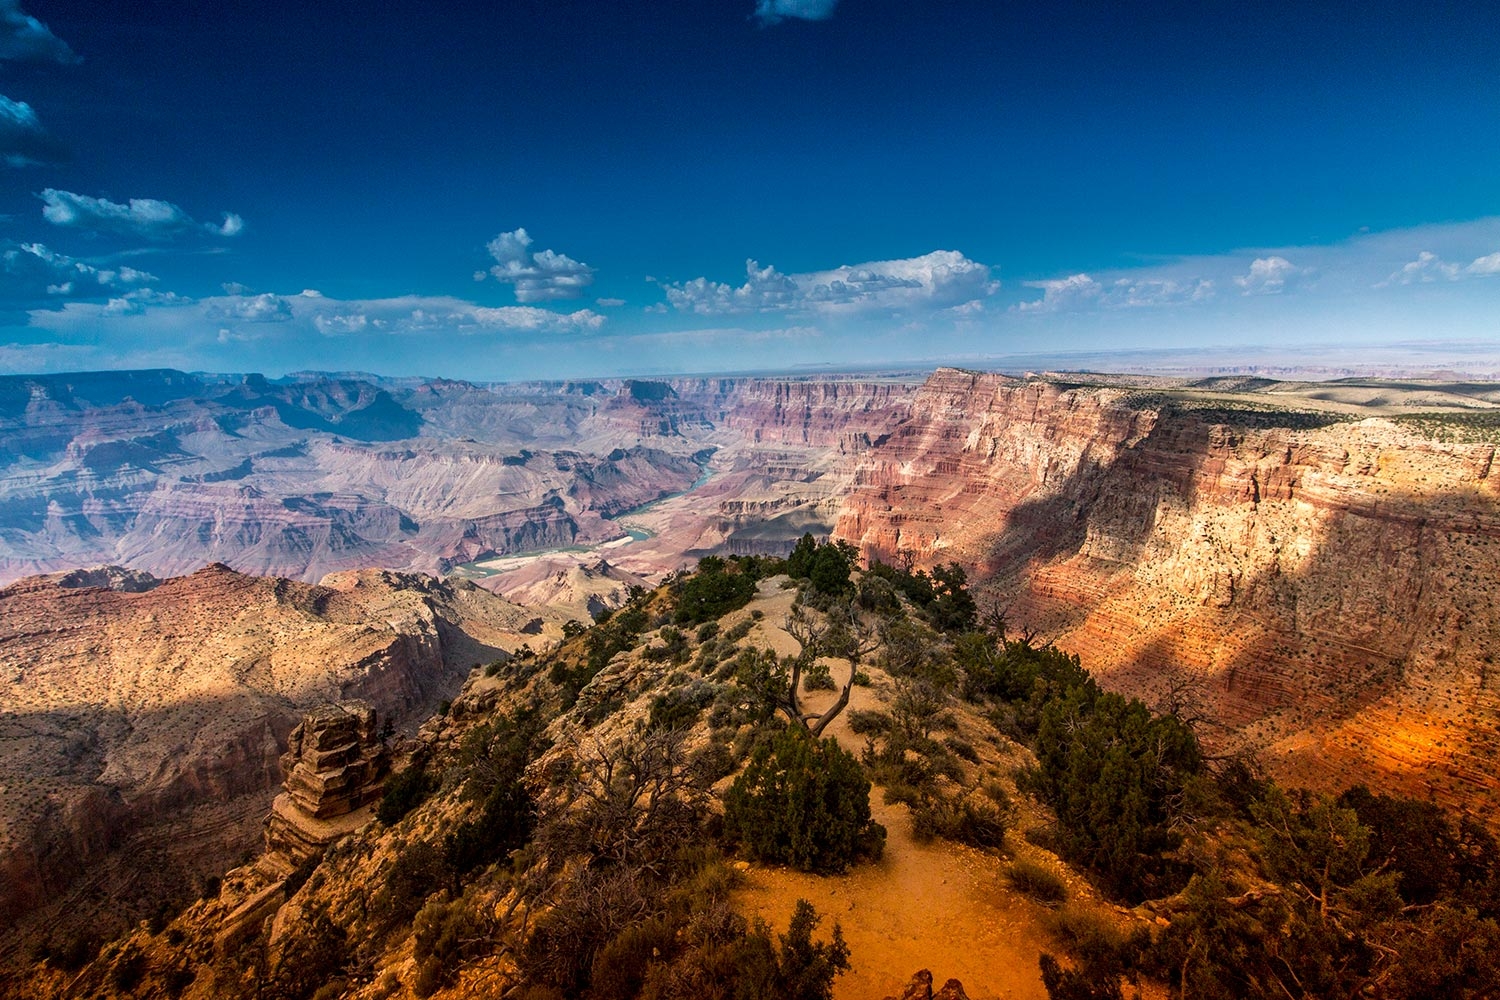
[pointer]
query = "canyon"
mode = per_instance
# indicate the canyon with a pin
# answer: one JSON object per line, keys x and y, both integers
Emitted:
{"x": 1311, "y": 584}
{"x": 142, "y": 727}
{"x": 164, "y": 471}
{"x": 1306, "y": 569}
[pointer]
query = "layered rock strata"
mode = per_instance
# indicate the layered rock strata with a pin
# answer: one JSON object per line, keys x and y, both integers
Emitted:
{"x": 142, "y": 730}
{"x": 334, "y": 767}
{"x": 1326, "y": 593}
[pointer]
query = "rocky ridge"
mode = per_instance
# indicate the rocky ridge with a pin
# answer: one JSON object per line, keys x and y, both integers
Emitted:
{"x": 142, "y": 730}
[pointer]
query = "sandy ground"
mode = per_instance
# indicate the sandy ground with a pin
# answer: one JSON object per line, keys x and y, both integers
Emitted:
{"x": 934, "y": 906}
{"x": 937, "y": 906}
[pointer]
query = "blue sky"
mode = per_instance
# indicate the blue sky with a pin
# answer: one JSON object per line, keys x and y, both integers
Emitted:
{"x": 549, "y": 189}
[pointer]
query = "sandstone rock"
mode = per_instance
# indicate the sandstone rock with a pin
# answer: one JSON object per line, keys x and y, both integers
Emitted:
{"x": 1325, "y": 591}
{"x": 920, "y": 988}
{"x": 143, "y": 729}
{"x": 335, "y": 766}
{"x": 952, "y": 990}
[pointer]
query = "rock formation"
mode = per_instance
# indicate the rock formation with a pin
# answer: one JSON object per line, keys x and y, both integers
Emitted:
{"x": 334, "y": 767}
{"x": 920, "y": 988}
{"x": 142, "y": 730}
{"x": 1326, "y": 591}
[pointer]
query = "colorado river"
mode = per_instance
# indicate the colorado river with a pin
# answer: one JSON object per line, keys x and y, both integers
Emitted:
{"x": 634, "y": 532}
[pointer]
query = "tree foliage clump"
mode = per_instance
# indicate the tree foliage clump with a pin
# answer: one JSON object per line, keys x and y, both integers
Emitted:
{"x": 1112, "y": 772}
{"x": 943, "y": 595}
{"x": 803, "y": 801}
{"x": 404, "y": 791}
{"x": 717, "y": 588}
{"x": 496, "y": 757}
{"x": 825, "y": 565}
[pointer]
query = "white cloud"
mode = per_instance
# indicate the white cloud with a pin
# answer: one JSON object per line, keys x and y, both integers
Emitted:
{"x": 775, "y": 11}
{"x": 609, "y": 303}
{"x": 137, "y": 302}
{"x": 938, "y": 280}
{"x": 1076, "y": 291}
{"x": 264, "y": 308}
{"x": 1080, "y": 292}
{"x": 23, "y": 141}
{"x": 29, "y": 270}
{"x": 418, "y": 314}
{"x": 1269, "y": 276}
{"x": 148, "y": 217}
{"x": 1428, "y": 267}
{"x": 765, "y": 289}
{"x": 25, "y": 39}
{"x": 537, "y": 277}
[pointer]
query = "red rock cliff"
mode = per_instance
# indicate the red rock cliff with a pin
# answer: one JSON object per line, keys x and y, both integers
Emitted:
{"x": 1330, "y": 590}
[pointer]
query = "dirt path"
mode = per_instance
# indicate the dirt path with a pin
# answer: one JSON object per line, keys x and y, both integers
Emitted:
{"x": 937, "y": 906}
{"x": 933, "y": 906}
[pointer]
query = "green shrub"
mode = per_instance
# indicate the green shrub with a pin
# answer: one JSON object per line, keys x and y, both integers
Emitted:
{"x": 865, "y": 722}
{"x": 975, "y": 822}
{"x": 418, "y": 871}
{"x": 961, "y": 748}
{"x": 404, "y": 791}
{"x": 1040, "y": 883}
{"x": 716, "y": 589}
{"x": 803, "y": 801}
{"x": 737, "y": 632}
{"x": 818, "y": 677}
{"x": 681, "y": 707}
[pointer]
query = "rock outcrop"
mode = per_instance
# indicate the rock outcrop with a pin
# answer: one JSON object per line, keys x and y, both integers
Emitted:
{"x": 142, "y": 730}
{"x": 920, "y": 988}
{"x": 1326, "y": 591}
{"x": 334, "y": 767}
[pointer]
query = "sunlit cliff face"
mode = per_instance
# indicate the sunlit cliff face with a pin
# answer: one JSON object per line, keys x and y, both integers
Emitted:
{"x": 1323, "y": 592}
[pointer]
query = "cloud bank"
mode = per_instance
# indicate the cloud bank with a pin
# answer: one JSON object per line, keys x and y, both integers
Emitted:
{"x": 25, "y": 39}
{"x": 142, "y": 217}
{"x": 938, "y": 280}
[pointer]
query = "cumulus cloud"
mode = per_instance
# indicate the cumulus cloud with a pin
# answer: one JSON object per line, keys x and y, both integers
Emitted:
{"x": 536, "y": 277}
{"x": 1079, "y": 292}
{"x": 23, "y": 141}
{"x": 137, "y": 302}
{"x": 25, "y": 39}
{"x": 770, "y": 12}
{"x": 609, "y": 303}
{"x": 938, "y": 280}
{"x": 32, "y": 270}
{"x": 1269, "y": 276}
{"x": 1428, "y": 267}
{"x": 147, "y": 217}
{"x": 263, "y": 308}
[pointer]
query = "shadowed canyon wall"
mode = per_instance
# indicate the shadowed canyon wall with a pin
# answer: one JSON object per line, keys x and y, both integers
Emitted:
{"x": 1326, "y": 594}
{"x": 142, "y": 730}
